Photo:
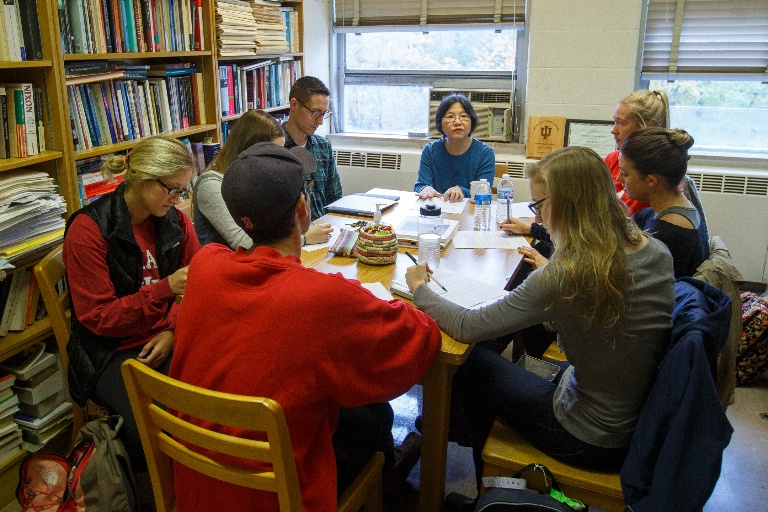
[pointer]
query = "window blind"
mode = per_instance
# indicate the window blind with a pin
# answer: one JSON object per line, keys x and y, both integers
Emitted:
{"x": 351, "y": 15}
{"x": 706, "y": 39}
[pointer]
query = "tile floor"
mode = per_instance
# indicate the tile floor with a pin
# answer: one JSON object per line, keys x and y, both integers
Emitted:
{"x": 743, "y": 484}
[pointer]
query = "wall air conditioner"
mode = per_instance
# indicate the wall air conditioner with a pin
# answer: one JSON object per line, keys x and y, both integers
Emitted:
{"x": 494, "y": 110}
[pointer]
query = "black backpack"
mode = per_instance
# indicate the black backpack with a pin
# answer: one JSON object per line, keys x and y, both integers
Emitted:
{"x": 524, "y": 500}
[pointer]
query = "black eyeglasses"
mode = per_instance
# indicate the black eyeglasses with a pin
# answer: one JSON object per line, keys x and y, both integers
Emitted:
{"x": 317, "y": 113}
{"x": 535, "y": 208}
{"x": 174, "y": 191}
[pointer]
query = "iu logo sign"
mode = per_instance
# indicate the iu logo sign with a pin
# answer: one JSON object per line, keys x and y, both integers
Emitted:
{"x": 546, "y": 131}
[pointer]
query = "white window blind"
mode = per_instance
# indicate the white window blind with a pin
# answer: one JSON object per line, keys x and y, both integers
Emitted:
{"x": 354, "y": 15}
{"x": 706, "y": 39}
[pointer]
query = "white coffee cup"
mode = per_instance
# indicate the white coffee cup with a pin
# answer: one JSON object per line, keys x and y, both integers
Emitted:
{"x": 472, "y": 190}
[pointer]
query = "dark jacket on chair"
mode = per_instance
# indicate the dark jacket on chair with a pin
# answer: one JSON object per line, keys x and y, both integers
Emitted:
{"x": 676, "y": 452}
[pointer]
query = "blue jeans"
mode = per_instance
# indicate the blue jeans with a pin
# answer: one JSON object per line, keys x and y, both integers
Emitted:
{"x": 489, "y": 386}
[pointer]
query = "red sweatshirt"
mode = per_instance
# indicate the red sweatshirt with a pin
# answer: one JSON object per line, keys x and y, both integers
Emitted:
{"x": 261, "y": 324}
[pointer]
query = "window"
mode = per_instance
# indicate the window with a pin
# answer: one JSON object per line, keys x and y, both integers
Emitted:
{"x": 711, "y": 58}
{"x": 389, "y": 53}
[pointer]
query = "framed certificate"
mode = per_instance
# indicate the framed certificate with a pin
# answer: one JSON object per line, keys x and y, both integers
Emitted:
{"x": 592, "y": 134}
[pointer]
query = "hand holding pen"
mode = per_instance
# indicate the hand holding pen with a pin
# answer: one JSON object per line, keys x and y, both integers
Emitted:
{"x": 428, "y": 276}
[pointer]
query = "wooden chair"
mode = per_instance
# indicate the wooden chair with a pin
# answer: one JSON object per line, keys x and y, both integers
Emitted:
{"x": 48, "y": 273}
{"x": 501, "y": 169}
{"x": 159, "y": 431}
{"x": 506, "y": 451}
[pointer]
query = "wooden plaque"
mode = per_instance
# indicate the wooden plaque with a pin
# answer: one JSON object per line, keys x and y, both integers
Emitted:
{"x": 545, "y": 134}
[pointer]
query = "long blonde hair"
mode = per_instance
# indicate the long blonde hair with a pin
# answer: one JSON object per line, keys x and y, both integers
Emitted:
{"x": 152, "y": 158}
{"x": 590, "y": 227}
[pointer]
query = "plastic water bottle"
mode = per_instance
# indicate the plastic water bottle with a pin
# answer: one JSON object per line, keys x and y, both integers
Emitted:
{"x": 504, "y": 193}
{"x": 483, "y": 206}
{"x": 430, "y": 227}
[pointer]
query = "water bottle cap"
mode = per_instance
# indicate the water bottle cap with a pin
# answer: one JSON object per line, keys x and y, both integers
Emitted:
{"x": 505, "y": 176}
{"x": 485, "y": 180}
{"x": 430, "y": 210}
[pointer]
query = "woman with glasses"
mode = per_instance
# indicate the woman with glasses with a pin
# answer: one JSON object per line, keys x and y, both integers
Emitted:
{"x": 653, "y": 163}
{"x": 213, "y": 222}
{"x": 610, "y": 291}
{"x": 448, "y": 165}
{"x": 126, "y": 257}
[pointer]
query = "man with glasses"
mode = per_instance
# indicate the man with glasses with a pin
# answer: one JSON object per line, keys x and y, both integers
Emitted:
{"x": 309, "y": 100}
{"x": 256, "y": 322}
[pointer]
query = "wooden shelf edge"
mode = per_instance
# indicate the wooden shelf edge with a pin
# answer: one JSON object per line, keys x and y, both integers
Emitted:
{"x": 278, "y": 56}
{"x": 7, "y": 164}
{"x": 14, "y": 64}
{"x": 122, "y": 146}
{"x": 143, "y": 55}
{"x": 15, "y": 342}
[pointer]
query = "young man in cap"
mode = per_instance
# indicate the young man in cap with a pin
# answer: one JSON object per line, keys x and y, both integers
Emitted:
{"x": 256, "y": 322}
{"x": 309, "y": 107}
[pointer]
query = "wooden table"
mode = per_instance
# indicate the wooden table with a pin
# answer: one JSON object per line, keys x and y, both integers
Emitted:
{"x": 493, "y": 266}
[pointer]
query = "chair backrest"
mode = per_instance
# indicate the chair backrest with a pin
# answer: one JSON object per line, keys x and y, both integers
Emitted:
{"x": 501, "y": 169}
{"x": 161, "y": 431}
{"x": 48, "y": 273}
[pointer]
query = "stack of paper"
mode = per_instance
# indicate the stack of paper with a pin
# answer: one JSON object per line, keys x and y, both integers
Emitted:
{"x": 462, "y": 290}
{"x": 235, "y": 28}
{"x": 31, "y": 221}
{"x": 271, "y": 37}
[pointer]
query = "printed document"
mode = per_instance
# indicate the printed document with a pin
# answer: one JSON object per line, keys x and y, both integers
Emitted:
{"x": 462, "y": 290}
{"x": 488, "y": 240}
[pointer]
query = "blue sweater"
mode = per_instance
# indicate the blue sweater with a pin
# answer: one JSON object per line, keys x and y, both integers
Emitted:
{"x": 441, "y": 170}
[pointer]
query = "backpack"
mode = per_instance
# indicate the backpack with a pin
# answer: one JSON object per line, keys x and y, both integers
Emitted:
{"x": 752, "y": 352}
{"x": 498, "y": 499}
{"x": 94, "y": 477}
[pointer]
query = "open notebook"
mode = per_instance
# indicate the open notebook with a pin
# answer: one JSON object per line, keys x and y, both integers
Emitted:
{"x": 463, "y": 290}
{"x": 408, "y": 232}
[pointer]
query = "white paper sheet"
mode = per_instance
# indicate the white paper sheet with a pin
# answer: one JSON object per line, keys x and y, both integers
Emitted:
{"x": 445, "y": 206}
{"x": 378, "y": 290}
{"x": 488, "y": 240}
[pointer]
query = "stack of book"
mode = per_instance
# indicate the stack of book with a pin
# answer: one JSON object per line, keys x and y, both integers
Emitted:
{"x": 108, "y": 108}
{"x": 235, "y": 28}
{"x": 272, "y": 36}
{"x": 44, "y": 408}
{"x": 20, "y": 303}
{"x": 31, "y": 222}
{"x": 10, "y": 433}
{"x": 23, "y": 130}
{"x": 91, "y": 183}
{"x": 263, "y": 85}
{"x": 20, "y": 31}
{"x": 291, "y": 20}
{"x": 116, "y": 26}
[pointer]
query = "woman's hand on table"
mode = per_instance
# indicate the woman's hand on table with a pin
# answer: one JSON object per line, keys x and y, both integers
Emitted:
{"x": 318, "y": 233}
{"x": 532, "y": 256}
{"x": 417, "y": 275}
{"x": 515, "y": 226}
{"x": 156, "y": 350}
{"x": 428, "y": 192}
{"x": 453, "y": 194}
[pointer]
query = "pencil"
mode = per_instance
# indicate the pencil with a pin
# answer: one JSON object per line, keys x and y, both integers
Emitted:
{"x": 432, "y": 277}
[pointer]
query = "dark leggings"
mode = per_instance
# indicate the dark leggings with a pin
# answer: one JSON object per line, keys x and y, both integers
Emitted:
{"x": 110, "y": 393}
{"x": 361, "y": 432}
{"x": 490, "y": 386}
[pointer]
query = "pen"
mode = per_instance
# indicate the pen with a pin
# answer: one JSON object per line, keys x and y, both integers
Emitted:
{"x": 431, "y": 276}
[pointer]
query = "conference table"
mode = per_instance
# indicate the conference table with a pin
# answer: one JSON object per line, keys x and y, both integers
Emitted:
{"x": 494, "y": 266}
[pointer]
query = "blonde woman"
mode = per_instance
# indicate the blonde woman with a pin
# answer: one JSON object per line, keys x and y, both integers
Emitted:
{"x": 213, "y": 222}
{"x": 608, "y": 289}
{"x": 126, "y": 257}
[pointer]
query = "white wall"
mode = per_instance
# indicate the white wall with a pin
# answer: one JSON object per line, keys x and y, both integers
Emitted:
{"x": 317, "y": 44}
{"x": 581, "y": 56}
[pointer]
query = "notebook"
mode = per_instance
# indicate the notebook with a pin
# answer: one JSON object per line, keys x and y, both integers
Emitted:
{"x": 408, "y": 234}
{"x": 363, "y": 205}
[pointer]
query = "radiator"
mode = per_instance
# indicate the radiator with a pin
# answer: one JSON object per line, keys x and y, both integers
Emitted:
{"x": 735, "y": 202}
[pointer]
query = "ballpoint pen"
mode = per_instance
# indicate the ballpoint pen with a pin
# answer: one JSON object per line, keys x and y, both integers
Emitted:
{"x": 432, "y": 277}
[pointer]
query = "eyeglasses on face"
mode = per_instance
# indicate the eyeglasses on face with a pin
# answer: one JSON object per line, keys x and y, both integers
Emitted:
{"x": 535, "y": 208}
{"x": 174, "y": 191}
{"x": 325, "y": 114}
{"x": 450, "y": 118}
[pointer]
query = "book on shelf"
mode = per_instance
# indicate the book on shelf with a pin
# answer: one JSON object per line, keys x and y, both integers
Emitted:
{"x": 45, "y": 406}
{"x": 30, "y": 28}
{"x": 33, "y": 422}
{"x": 5, "y": 150}
{"x": 28, "y": 363}
{"x": 40, "y": 436}
{"x": 15, "y": 308}
{"x": 13, "y": 31}
{"x": 10, "y": 442}
{"x": 210, "y": 150}
{"x": 6, "y": 380}
{"x": 38, "y": 96}
{"x": 51, "y": 384}
{"x": 8, "y": 399}
{"x": 5, "y": 55}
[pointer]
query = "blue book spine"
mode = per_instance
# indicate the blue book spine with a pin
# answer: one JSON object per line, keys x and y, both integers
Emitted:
{"x": 87, "y": 114}
{"x": 94, "y": 118}
{"x": 172, "y": 16}
{"x": 126, "y": 109}
{"x": 130, "y": 26}
{"x": 108, "y": 111}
